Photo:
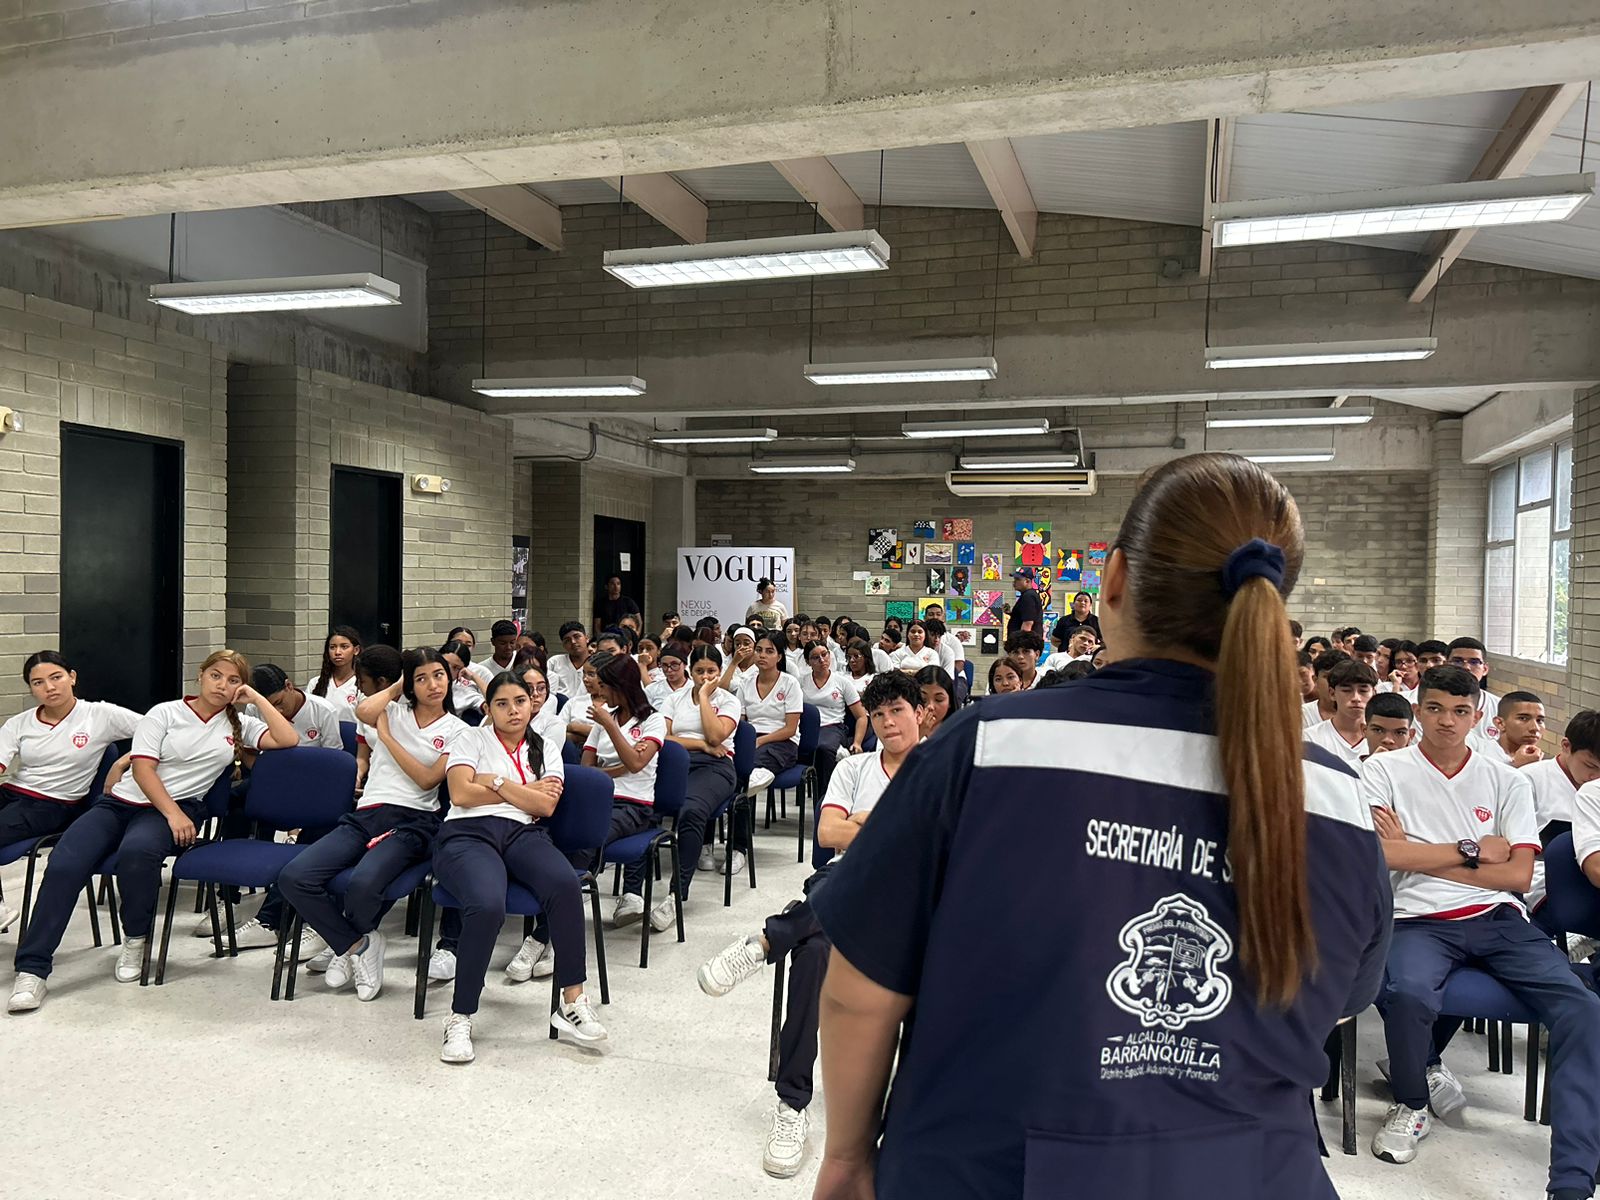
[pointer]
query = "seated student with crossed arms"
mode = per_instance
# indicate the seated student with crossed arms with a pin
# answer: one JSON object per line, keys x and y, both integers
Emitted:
{"x": 1351, "y": 684}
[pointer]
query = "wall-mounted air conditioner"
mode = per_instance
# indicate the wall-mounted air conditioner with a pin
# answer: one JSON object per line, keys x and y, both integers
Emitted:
{"x": 1021, "y": 483}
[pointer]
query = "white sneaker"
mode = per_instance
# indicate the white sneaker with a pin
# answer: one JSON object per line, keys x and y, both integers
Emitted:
{"x": 27, "y": 993}
{"x": 338, "y": 970}
{"x": 664, "y": 916}
{"x": 579, "y": 1020}
{"x": 252, "y": 935}
{"x": 130, "y": 960}
{"x": 738, "y": 863}
{"x": 1402, "y": 1129}
{"x": 457, "y": 1039}
{"x": 202, "y": 927}
{"x": 1579, "y": 949}
{"x": 442, "y": 966}
{"x": 739, "y": 961}
{"x": 1445, "y": 1094}
{"x": 314, "y": 947}
{"x": 708, "y": 859}
{"x": 786, "y": 1141}
{"x": 628, "y": 910}
{"x": 321, "y": 960}
{"x": 533, "y": 960}
{"x": 366, "y": 968}
{"x": 8, "y": 917}
{"x": 760, "y": 780}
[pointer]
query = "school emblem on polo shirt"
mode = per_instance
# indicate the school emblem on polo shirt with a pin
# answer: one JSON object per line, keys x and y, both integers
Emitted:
{"x": 438, "y": 743}
{"x": 80, "y": 740}
{"x": 1171, "y": 976}
{"x": 311, "y": 735}
{"x": 1482, "y": 813}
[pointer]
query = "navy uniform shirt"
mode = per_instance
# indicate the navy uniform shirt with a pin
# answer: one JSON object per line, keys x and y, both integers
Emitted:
{"x": 1048, "y": 878}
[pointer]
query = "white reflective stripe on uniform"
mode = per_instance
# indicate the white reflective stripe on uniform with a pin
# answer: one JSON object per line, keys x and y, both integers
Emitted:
{"x": 1165, "y": 757}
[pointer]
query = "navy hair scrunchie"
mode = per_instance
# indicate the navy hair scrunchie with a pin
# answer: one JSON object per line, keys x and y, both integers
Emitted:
{"x": 1255, "y": 559}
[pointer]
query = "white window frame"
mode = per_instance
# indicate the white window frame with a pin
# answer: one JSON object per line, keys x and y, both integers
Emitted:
{"x": 1516, "y": 466}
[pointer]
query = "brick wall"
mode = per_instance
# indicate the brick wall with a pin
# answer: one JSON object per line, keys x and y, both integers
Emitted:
{"x": 1457, "y": 507}
{"x": 1583, "y": 661}
{"x": 60, "y": 364}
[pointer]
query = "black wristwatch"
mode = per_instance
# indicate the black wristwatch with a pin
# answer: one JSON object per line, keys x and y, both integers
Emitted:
{"x": 1468, "y": 849}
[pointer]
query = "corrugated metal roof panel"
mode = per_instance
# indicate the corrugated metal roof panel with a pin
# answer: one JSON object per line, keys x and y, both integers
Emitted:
{"x": 934, "y": 176}
{"x": 747, "y": 181}
{"x": 1152, "y": 174}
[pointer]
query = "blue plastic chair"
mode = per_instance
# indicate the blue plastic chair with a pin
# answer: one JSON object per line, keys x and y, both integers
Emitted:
{"x": 1572, "y": 903}
{"x": 408, "y": 884}
{"x": 571, "y": 753}
{"x": 305, "y": 787}
{"x": 744, "y": 762}
{"x": 672, "y": 788}
{"x": 802, "y": 777}
{"x": 1475, "y": 994}
{"x": 347, "y": 734}
{"x": 561, "y": 701}
{"x": 578, "y": 827}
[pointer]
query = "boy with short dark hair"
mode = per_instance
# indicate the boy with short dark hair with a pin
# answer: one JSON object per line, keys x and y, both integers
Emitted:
{"x": 1521, "y": 720}
{"x": 1344, "y": 735}
{"x": 1389, "y": 723}
{"x": 1314, "y": 712}
{"x": 1365, "y": 650}
{"x": 1469, "y": 654}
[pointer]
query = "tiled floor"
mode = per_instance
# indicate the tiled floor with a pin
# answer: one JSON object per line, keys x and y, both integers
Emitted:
{"x": 204, "y": 1087}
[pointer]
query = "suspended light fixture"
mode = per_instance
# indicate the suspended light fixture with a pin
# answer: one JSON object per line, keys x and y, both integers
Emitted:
{"x": 795, "y": 465}
{"x": 1015, "y": 426}
{"x": 1057, "y": 460}
{"x": 1316, "y": 353}
{"x": 1287, "y": 456}
{"x": 573, "y": 385}
{"x": 361, "y": 290}
{"x": 927, "y": 370}
{"x": 693, "y": 437}
{"x": 1480, "y": 203}
{"x": 1265, "y": 418}
{"x": 754, "y": 259}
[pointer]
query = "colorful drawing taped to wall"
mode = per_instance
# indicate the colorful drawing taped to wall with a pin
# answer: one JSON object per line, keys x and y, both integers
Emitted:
{"x": 896, "y": 557}
{"x": 902, "y": 610}
{"x": 937, "y": 581}
{"x": 965, "y": 634}
{"x": 1051, "y": 616}
{"x": 913, "y": 554}
{"x": 879, "y": 543}
{"x": 967, "y": 552}
{"x": 1032, "y": 547}
{"x": 924, "y": 603}
{"x": 960, "y": 581}
{"x": 876, "y": 585}
{"x": 988, "y": 641}
{"x": 938, "y": 554}
{"x": 958, "y": 608}
{"x": 987, "y": 605}
{"x": 922, "y": 529}
{"x": 1069, "y": 563}
{"x": 1090, "y": 582}
{"x": 1097, "y": 555}
{"x": 991, "y": 567}
{"x": 956, "y": 529}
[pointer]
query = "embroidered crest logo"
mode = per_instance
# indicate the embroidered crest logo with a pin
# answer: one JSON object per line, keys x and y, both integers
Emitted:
{"x": 80, "y": 740}
{"x": 438, "y": 743}
{"x": 311, "y": 735}
{"x": 228, "y": 737}
{"x": 1172, "y": 974}
{"x": 1483, "y": 814}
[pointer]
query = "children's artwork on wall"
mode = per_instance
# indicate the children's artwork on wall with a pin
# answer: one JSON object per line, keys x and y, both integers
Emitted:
{"x": 1069, "y": 564}
{"x": 967, "y": 553}
{"x": 988, "y": 641}
{"x": 903, "y": 610}
{"x": 876, "y": 585}
{"x": 1032, "y": 547}
{"x": 938, "y": 554}
{"x": 1090, "y": 582}
{"x": 956, "y": 529}
{"x": 991, "y": 567}
{"x": 1051, "y": 616}
{"x": 958, "y": 608}
{"x": 961, "y": 581}
{"x": 936, "y": 603}
{"x": 986, "y": 604}
{"x": 922, "y": 529}
{"x": 913, "y": 554}
{"x": 897, "y": 556}
{"x": 1097, "y": 555}
{"x": 937, "y": 581}
{"x": 965, "y": 634}
{"x": 879, "y": 543}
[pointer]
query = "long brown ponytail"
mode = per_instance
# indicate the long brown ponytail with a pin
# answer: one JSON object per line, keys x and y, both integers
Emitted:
{"x": 1183, "y": 538}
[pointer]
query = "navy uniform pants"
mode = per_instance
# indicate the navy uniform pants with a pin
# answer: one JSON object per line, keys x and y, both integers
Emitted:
{"x": 796, "y": 933}
{"x": 711, "y": 782}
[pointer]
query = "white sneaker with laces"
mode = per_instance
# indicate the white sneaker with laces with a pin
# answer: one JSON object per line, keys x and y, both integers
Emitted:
{"x": 314, "y": 947}
{"x": 202, "y": 927}
{"x": 1579, "y": 949}
{"x": 738, "y": 863}
{"x": 628, "y": 910}
{"x": 320, "y": 961}
{"x": 442, "y": 966}
{"x": 786, "y": 1142}
{"x": 578, "y": 1019}
{"x": 8, "y": 916}
{"x": 533, "y": 960}
{"x": 130, "y": 960}
{"x": 252, "y": 935}
{"x": 760, "y": 780}
{"x": 664, "y": 915}
{"x": 708, "y": 859}
{"x": 1402, "y": 1129}
{"x": 457, "y": 1039}
{"x": 1445, "y": 1094}
{"x": 338, "y": 970}
{"x": 737, "y": 962}
{"x": 27, "y": 993}
{"x": 366, "y": 968}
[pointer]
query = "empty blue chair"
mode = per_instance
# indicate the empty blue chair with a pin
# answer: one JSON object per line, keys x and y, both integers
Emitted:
{"x": 672, "y": 785}
{"x": 578, "y": 827}
{"x": 347, "y": 734}
{"x": 305, "y": 787}
{"x": 571, "y": 753}
{"x": 802, "y": 777}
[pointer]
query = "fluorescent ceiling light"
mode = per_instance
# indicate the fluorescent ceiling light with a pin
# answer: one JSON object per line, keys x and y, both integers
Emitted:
{"x": 1018, "y": 462}
{"x": 1266, "y": 418}
{"x": 1315, "y": 353}
{"x": 928, "y": 370}
{"x": 276, "y": 295}
{"x": 803, "y": 466}
{"x": 690, "y": 437}
{"x": 966, "y": 429}
{"x": 576, "y": 385}
{"x": 1286, "y": 456}
{"x": 757, "y": 258}
{"x": 1516, "y": 201}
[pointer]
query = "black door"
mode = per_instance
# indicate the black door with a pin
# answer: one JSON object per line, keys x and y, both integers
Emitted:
{"x": 619, "y": 550}
{"x": 364, "y": 555}
{"x": 122, "y": 565}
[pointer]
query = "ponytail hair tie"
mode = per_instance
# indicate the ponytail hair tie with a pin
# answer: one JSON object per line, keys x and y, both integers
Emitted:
{"x": 1255, "y": 559}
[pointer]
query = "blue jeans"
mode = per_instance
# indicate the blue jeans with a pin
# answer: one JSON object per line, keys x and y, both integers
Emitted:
{"x": 1501, "y": 943}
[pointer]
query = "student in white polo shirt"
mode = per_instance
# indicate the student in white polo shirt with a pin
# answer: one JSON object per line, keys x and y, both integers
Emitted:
{"x": 1404, "y": 671}
{"x": 887, "y": 650}
{"x": 1023, "y": 649}
{"x": 951, "y": 652}
{"x": 772, "y": 704}
{"x": 50, "y": 753}
{"x": 702, "y": 719}
{"x": 335, "y": 681}
{"x": 1521, "y": 722}
{"x": 1469, "y": 654}
{"x": 1314, "y": 712}
{"x": 916, "y": 653}
{"x": 180, "y": 748}
{"x": 408, "y": 729}
{"x": 740, "y": 666}
{"x": 1389, "y": 724}
{"x": 466, "y": 692}
{"x": 625, "y": 742}
{"x": 895, "y": 703}
{"x": 1556, "y": 781}
{"x": 1460, "y": 837}
{"x": 566, "y": 670}
{"x": 1351, "y": 685}
{"x": 505, "y": 781}
{"x": 503, "y": 636}
{"x": 673, "y": 663}
{"x": 837, "y": 702}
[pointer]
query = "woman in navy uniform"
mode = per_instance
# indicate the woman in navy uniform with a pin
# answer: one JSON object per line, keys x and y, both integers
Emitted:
{"x": 1142, "y": 1012}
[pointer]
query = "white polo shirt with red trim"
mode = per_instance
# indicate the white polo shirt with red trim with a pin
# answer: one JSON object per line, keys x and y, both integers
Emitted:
{"x": 638, "y": 786}
{"x": 57, "y": 762}
{"x": 1327, "y": 735}
{"x": 189, "y": 752}
{"x": 343, "y": 696}
{"x": 387, "y": 782}
{"x": 856, "y": 786}
{"x": 1585, "y": 819}
{"x": 831, "y": 700}
{"x": 317, "y": 722}
{"x": 483, "y": 750}
{"x": 1481, "y": 799}
{"x": 683, "y": 711}
{"x": 770, "y": 712}
{"x": 1553, "y": 790}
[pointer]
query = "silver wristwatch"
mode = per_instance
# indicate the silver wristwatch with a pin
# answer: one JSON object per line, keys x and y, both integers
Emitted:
{"x": 499, "y": 781}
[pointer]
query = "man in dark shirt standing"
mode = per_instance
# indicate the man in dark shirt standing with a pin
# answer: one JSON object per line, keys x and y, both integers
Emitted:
{"x": 613, "y": 606}
{"x": 1027, "y": 614}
